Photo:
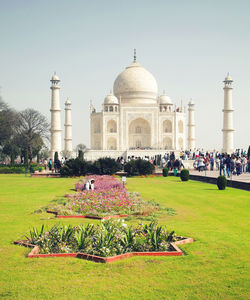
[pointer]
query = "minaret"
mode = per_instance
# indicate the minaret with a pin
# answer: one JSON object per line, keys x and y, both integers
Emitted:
{"x": 191, "y": 126}
{"x": 228, "y": 144}
{"x": 68, "y": 127}
{"x": 55, "y": 130}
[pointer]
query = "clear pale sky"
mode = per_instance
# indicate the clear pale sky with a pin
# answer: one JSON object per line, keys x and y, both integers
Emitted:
{"x": 189, "y": 46}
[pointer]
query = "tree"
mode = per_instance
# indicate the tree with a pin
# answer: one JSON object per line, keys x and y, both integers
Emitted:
{"x": 31, "y": 128}
{"x": 80, "y": 155}
{"x": 3, "y": 105}
{"x": 44, "y": 153}
{"x": 56, "y": 156}
{"x": 38, "y": 157}
{"x": 26, "y": 158}
{"x": 11, "y": 149}
{"x": 8, "y": 121}
{"x": 66, "y": 154}
{"x": 81, "y": 147}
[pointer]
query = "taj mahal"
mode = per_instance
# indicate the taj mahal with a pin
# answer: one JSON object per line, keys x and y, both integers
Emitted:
{"x": 135, "y": 120}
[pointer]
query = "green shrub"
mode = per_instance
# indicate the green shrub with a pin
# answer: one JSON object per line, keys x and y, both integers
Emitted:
{"x": 93, "y": 168}
{"x": 74, "y": 167}
{"x": 108, "y": 166}
{"x": 165, "y": 172}
{"x": 184, "y": 175}
{"x": 66, "y": 171}
{"x": 34, "y": 167}
{"x": 78, "y": 167}
{"x": 12, "y": 170}
{"x": 138, "y": 167}
{"x": 221, "y": 182}
{"x": 130, "y": 168}
{"x": 108, "y": 238}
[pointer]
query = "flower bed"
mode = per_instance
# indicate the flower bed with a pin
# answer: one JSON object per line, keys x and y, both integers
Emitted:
{"x": 109, "y": 198}
{"x": 109, "y": 241}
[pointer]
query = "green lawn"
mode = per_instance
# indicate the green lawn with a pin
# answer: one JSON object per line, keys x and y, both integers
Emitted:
{"x": 215, "y": 266}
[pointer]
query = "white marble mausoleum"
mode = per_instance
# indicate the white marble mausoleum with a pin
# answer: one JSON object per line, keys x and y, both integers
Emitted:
{"x": 135, "y": 119}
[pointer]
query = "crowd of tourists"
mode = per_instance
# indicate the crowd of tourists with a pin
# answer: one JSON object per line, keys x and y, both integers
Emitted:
{"x": 56, "y": 166}
{"x": 234, "y": 164}
{"x": 167, "y": 160}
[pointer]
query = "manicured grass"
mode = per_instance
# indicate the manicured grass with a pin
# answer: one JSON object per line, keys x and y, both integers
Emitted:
{"x": 216, "y": 266}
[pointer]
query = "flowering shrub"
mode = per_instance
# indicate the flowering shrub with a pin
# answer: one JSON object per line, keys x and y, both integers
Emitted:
{"x": 108, "y": 198}
{"x": 103, "y": 182}
{"x": 106, "y": 239}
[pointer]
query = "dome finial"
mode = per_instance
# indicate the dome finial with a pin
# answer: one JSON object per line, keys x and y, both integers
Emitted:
{"x": 134, "y": 55}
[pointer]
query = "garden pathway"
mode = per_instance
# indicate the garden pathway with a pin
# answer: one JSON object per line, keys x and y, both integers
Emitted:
{"x": 245, "y": 177}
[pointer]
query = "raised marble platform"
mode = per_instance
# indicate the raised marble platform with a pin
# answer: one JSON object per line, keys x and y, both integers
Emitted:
{"x": 95, "y": 154}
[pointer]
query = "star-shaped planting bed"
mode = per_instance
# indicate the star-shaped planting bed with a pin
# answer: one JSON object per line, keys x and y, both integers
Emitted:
{"x": 175, "y": 251}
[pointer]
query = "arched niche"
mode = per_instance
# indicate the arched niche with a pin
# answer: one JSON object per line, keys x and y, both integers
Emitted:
{"x": 111, "y": 143}
{"x": 97, "y": 126}
{"x": 111, "y": 126}
{"x": 97, "y": 144}
{"x": 180, "y": 143}
{"x": 180, "y": 126}
{"x": 167, "y": 143}
{"x": 167, "y": 126}
{"x": 139, "y": 134}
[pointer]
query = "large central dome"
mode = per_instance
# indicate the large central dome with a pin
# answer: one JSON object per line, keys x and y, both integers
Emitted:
{"x": 136, "y": 84}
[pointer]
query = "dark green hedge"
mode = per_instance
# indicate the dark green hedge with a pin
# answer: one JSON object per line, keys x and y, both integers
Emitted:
{"x": 138, "y": 167}
{"x": 12, "y": 170}
{"x": 79, "y": 167}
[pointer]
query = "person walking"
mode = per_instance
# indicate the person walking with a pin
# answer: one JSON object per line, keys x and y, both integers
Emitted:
{"x": 211, "y": 163}
{"x": 228, "y": 165}
{"x": 50, "y": 164}
{"x": 201, "y": 165}
{"x": 238, "y": 167}
{"x": 222, "y": 165}
{"x": 244, "y": 164}
{"x": 45, "y": 163}
{"x": 217, "y": 163}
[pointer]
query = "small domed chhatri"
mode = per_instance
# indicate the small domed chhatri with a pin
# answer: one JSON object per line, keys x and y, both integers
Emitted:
{"x": 55, "y": 77}
{"x": 164, "y": 99}
{"x": 228, "y": 78}
{"x": 111, "y": 99}
{"x": 67, "y": 102}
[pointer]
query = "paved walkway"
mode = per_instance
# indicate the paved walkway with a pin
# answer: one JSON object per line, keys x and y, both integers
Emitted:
{"x": 245, "y": 177}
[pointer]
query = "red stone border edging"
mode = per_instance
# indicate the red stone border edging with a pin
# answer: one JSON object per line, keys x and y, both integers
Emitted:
{"x": 87, "y": 217}
{"x": 176, "y": 252}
